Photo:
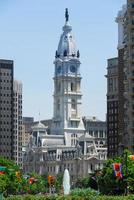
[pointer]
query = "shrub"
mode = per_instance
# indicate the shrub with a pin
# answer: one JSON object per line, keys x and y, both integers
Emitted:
{"x": 86, "y": 193}
{"x": 71, "y": 197}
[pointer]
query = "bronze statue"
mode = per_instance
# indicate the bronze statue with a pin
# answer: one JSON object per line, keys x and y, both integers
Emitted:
{"x": 66, "y": 15}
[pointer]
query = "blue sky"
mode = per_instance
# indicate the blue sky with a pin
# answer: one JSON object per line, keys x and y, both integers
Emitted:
{"x": 29, "y": 34}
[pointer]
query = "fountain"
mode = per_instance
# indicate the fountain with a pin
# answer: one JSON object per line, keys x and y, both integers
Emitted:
{"x": 66, "y": 182}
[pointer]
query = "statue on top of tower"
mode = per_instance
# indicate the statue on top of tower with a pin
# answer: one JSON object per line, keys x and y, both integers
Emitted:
{"x": 66, "y": 47}
{"x": 66, "y": 15}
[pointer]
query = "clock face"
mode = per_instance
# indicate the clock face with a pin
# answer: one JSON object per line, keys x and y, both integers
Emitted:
{"x": 72, "y": 69}
{"x": 59, "y": 69}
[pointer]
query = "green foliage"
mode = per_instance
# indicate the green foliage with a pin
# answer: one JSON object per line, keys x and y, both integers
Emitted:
{"x": 85, "y": 193}
{"x": 86, "y": 182}
{"x": 8, "y": 163}
{"x": 105, "y": 180}
{"x": 115, "y": 198}
{"x": 58, "y": 183}
{"x": 3, "y": 182}
{"x": 8, "y": 181}
{"x": 109, "y": 184}
{"x": 39, "y": 197}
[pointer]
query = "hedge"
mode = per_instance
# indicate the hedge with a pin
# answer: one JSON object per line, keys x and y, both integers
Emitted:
{"x": 43, "y": 197}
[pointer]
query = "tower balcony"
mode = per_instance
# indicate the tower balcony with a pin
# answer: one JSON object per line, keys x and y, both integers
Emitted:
{"x": 73, "y": 93}
{"x": 74, "y": 118}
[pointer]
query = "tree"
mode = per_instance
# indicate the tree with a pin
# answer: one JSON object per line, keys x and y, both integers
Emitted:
{"x": 109, "y": 184}
{"x": 8, "y": 180}
{"x": 4, "y": 181}
{"x": 39, "y": 184}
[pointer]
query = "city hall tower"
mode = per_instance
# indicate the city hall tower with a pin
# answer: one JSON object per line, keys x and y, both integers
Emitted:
{"x": 67, "y": 117}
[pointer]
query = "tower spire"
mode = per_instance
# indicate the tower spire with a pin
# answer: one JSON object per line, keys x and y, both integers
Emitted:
{"x": 66, "y": 15}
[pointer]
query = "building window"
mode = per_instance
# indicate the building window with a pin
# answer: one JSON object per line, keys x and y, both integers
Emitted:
{"x": 58, "y": 104}
{"x": 58, "y": 88}
{"x": 90, "y": 132}
{"x": 74, "y": 124}
{"x": 101, "y": 134}
{"x": 96, "y": 134}
{"x": 132, "y": 5}
{"x": 73, "y": 104}
{"x": 72, "y": 86}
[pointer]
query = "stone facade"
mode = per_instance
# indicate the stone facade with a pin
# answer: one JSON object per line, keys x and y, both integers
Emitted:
{"x": 49, "y": 154}
{"x": 27, "y": 124}
{"x": 125, "y": 20}
{"x": 67, "y": 118}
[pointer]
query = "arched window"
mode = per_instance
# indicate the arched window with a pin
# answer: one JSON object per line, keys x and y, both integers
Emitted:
{"x": 72, "y": 86}
{"x": 73, "y": 104}
{"x": 65, "y": 53}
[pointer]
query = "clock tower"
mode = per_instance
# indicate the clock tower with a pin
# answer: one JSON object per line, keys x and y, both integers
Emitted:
{"x": 67, "y": 118}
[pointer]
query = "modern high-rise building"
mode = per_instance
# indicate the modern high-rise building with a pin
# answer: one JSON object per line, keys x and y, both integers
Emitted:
{"x": 17, "y": 128}
{"x": 6, "y": 108}
{"x": 67, "y": 117}
{"x": 10, "y": 113}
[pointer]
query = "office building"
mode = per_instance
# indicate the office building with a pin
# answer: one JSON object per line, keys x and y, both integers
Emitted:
{"x": 17, "y": 118}
{"x": 6, "y": 108}
{"x": 112, "y": 107}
